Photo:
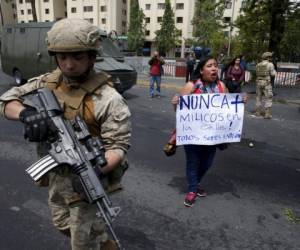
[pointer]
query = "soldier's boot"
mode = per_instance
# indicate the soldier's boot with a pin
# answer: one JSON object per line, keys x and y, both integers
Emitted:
{"x": 258, "y": 112}
{"x": 109, "y": 245}
{"x": 268, "y": 114}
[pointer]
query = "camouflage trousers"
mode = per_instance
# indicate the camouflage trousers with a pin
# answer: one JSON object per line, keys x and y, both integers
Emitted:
{"x": 71, "y": 214}
{"x": 264, "y": 88}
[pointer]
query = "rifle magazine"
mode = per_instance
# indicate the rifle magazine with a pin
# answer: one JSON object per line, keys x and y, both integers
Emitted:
{"x": 37, "y": 170}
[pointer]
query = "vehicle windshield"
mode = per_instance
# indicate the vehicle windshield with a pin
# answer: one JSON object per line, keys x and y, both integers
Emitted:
{"x": 109, "y": 49}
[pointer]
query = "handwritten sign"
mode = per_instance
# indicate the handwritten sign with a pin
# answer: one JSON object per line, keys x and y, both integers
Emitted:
{"x": 209, "y": 119}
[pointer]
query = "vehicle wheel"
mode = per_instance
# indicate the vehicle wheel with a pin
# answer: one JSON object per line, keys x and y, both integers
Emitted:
{"x": 17, "y": 75}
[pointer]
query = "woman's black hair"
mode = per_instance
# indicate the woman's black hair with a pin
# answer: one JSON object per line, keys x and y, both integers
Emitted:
{"x": 203, "y": 60}
{"x": 233, "y": 60}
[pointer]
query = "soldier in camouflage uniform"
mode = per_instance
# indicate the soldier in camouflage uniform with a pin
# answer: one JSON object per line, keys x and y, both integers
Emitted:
{"x": 81, "y": 91}
{"x": 264, "y": 71}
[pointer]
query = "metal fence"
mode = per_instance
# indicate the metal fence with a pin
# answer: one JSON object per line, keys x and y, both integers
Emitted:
{"x": 286, "y": 76}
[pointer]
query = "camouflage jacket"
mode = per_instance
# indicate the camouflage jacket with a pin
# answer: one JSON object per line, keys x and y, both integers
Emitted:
{"x": 109, "y": 113}
{"x": 264, "y": 70}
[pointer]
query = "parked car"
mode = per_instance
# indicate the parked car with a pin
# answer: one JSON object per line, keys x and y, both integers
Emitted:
{"x": 24, "y": 55}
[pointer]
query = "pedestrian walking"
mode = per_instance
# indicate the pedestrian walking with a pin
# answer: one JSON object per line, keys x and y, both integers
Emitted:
{"x": 234, "y": 76}
{"x": 243, "y": 62}
{"x": 225, "y": 63}
{"x": 190, "y": 64}
{"x": 156, "y": 70}
{"x": 199, "y": 158}
{"x": 74, "y": 44}
{"x": 264, "y": 71}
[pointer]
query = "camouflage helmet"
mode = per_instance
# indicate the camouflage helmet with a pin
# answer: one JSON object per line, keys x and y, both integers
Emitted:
{"x": 266, "y": 55}
{"x": 73, "y": 35}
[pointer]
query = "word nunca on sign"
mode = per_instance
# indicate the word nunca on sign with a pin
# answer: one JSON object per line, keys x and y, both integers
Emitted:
{"x": 207, "y": 101}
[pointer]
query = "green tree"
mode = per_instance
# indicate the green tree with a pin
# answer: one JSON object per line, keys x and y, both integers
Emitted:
{"x": 207, "y": 25}
{"x": 136, "y": 31}
{"x": 289, "y": 48}
{"x": 167, "y": 37}
{"x": 263, "y": 25}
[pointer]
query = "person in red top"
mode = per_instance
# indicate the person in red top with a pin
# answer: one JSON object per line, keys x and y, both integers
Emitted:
{"x": 199, "y": 158}
{"x": 235, "y": 75}
{"x": 155, "y": 73}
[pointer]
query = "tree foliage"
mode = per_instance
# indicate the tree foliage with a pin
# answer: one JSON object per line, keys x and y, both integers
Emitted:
{"x": 264, "y": 24}
{"x": 136, "y": 31}
{"x": 289, "y": 48}
{"x": 207, "y": 25}
{"x": 168, "y": 36}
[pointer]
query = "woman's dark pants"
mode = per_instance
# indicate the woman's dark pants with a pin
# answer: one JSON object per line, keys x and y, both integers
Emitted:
{"x": 199, "y": 159}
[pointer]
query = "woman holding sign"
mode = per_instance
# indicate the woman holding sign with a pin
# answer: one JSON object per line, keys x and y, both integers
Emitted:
{"x": 199, "y": 158}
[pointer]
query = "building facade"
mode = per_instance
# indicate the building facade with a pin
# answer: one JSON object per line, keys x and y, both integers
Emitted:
{"x": 8, "y": 12}
{"x": 183, "y": 13}
{"x": 109, "y": 15}
{"x": 46, "y": 10}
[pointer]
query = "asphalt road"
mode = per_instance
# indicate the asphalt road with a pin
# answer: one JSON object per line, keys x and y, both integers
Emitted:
{"x": 253, "y": 200}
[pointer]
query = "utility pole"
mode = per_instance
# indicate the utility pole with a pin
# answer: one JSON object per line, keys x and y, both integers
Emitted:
{"x": 230, "y": 28}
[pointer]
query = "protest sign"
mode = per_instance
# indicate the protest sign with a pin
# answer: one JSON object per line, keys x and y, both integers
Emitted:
{"x": 209, "y": 119}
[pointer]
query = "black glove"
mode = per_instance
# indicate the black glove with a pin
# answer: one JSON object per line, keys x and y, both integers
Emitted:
{"x": 35, "y": 124}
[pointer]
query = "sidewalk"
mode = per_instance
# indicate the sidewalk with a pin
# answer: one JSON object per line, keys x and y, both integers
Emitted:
{"x": 283, "y": 94}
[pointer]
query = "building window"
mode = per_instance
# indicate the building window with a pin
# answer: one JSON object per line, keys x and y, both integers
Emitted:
{"x": 103, "y": 8}
{"x": 159, "y": 19}
{"x": 47, "y": 11}
{"x": 29, "y": 12}
{"x": 73, "y": 10}
{"x": 20, "y": 1}
{"x": 124, "y": 1}
{"x": 124, "y": 12}
{"x": 91, "y": 20}
{"x": 147, "y": 19}
{"x": 147, "y": 33}
{"x": 15, "y": 16}
{"x": 46, "y": 1}
{"x": 179, "y": 19}
{"x": 103, "y": 20}
{"x": 148, "y": 6}
{"x": 13, "y": 5}
{"x": 27, "y": 1}
{"x": 161, "y": 6}
{"x": 227, "y": 19}
{"x": 22, "y": 12}
{"x": 22, "y": 30}
{"x": 124, "y": 23}
{"x": 228, "y": 4}
{"x": 179, "y": 6}
{"x": 47, "y": 21}
{"x": 87, "y": 8}
{"x": 9, "y": 30}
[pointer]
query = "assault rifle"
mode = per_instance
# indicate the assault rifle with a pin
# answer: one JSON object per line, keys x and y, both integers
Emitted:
{"x": 70, "y": 143}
